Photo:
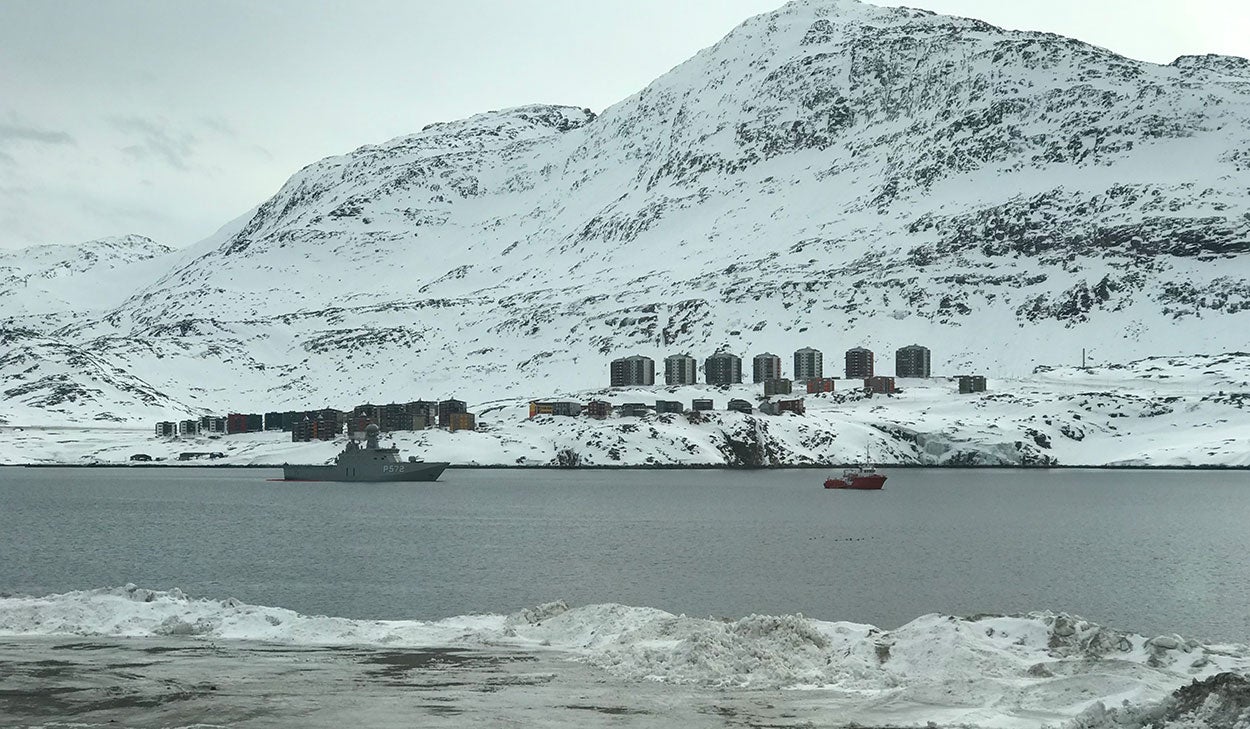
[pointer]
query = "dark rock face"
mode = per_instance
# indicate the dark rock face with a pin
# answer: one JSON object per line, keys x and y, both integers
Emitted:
{"x": 1219, "y": 702}
{"x": 1227, "y": 65}
{"x": 743, "y": 448}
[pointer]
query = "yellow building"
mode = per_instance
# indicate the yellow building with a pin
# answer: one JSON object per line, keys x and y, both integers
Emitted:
{"x": 462, "y": 421}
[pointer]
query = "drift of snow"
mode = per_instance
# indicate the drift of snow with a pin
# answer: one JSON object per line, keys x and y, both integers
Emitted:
{"x": 991, "y": 670}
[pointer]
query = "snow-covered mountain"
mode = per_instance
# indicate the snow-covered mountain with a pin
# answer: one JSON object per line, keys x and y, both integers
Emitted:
{"x": 831, "y": 174}
{"x": 73, "y": 281}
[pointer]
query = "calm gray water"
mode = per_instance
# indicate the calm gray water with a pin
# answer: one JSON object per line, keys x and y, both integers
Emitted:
{"x": 1154, "y": 552}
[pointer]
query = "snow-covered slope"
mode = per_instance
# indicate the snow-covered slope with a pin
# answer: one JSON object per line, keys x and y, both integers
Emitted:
{"x": 47, "y": 282}
{"x": 831, "y": 174}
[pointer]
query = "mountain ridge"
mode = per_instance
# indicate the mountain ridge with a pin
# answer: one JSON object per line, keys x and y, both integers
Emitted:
{"x": 830, "y": 174}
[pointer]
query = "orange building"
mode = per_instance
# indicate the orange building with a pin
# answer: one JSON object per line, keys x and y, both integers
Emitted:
{"x": 462, "y": 421}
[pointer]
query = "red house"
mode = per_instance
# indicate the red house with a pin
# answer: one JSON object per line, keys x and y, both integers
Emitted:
{"x": 791, "y": 406}
{"x": 820, "y": 384}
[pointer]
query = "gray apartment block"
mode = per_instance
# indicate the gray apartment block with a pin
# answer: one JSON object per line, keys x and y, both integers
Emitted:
{"x": 969, "y": 384}
{"x": 809, "y": 364}
{"x": 423, "y": 408}
{"x": 912, "y": 361}
{"x": 633, "y": 371}
{"x": 723, "y": 368}
{"x": 680, "y": 369}
{"x": 741, "y": 406}
{"x": 669, "y": 406}
{"x": 633, "y": 410}
{"x": 702, "y": 405}
{"x": 779, "y": 386}
{"x": 564, "y": 408}
{"x": 859, "y": 364}
{"x": 765, "y": 367}
{"x": 778, "y": 407}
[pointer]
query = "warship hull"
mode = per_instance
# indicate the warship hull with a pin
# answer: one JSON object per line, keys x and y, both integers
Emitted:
{"x": 366, "y": 472}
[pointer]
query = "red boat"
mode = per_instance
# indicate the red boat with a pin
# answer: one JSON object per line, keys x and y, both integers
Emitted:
{"x": 864, "y": 479}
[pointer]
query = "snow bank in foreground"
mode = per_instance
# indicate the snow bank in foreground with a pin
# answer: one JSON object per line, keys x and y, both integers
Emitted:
{"x": 135, "y": 612}
{"x": 1015, "y": 654}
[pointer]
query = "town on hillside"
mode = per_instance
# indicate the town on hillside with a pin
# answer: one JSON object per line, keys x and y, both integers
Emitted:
{"x": 329, "y": 423}
{"x": 725, "y": 368}
{"x": 720, "y": 369}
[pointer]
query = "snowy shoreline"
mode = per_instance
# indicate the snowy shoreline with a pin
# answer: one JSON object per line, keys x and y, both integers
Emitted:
{"x": 1028, "y": 670}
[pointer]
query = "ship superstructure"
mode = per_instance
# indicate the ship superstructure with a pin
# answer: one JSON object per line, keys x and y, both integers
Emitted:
{"x": 368, "y": 462}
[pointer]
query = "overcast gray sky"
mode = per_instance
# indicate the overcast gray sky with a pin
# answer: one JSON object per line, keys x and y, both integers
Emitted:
{"x": 168, "y": 118}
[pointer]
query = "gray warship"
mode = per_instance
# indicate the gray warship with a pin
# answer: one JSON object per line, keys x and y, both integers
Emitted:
{"x": 367, "y": 462}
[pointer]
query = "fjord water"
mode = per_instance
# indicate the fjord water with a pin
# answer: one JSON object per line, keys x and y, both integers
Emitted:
{"x": 1148, "y": 551}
